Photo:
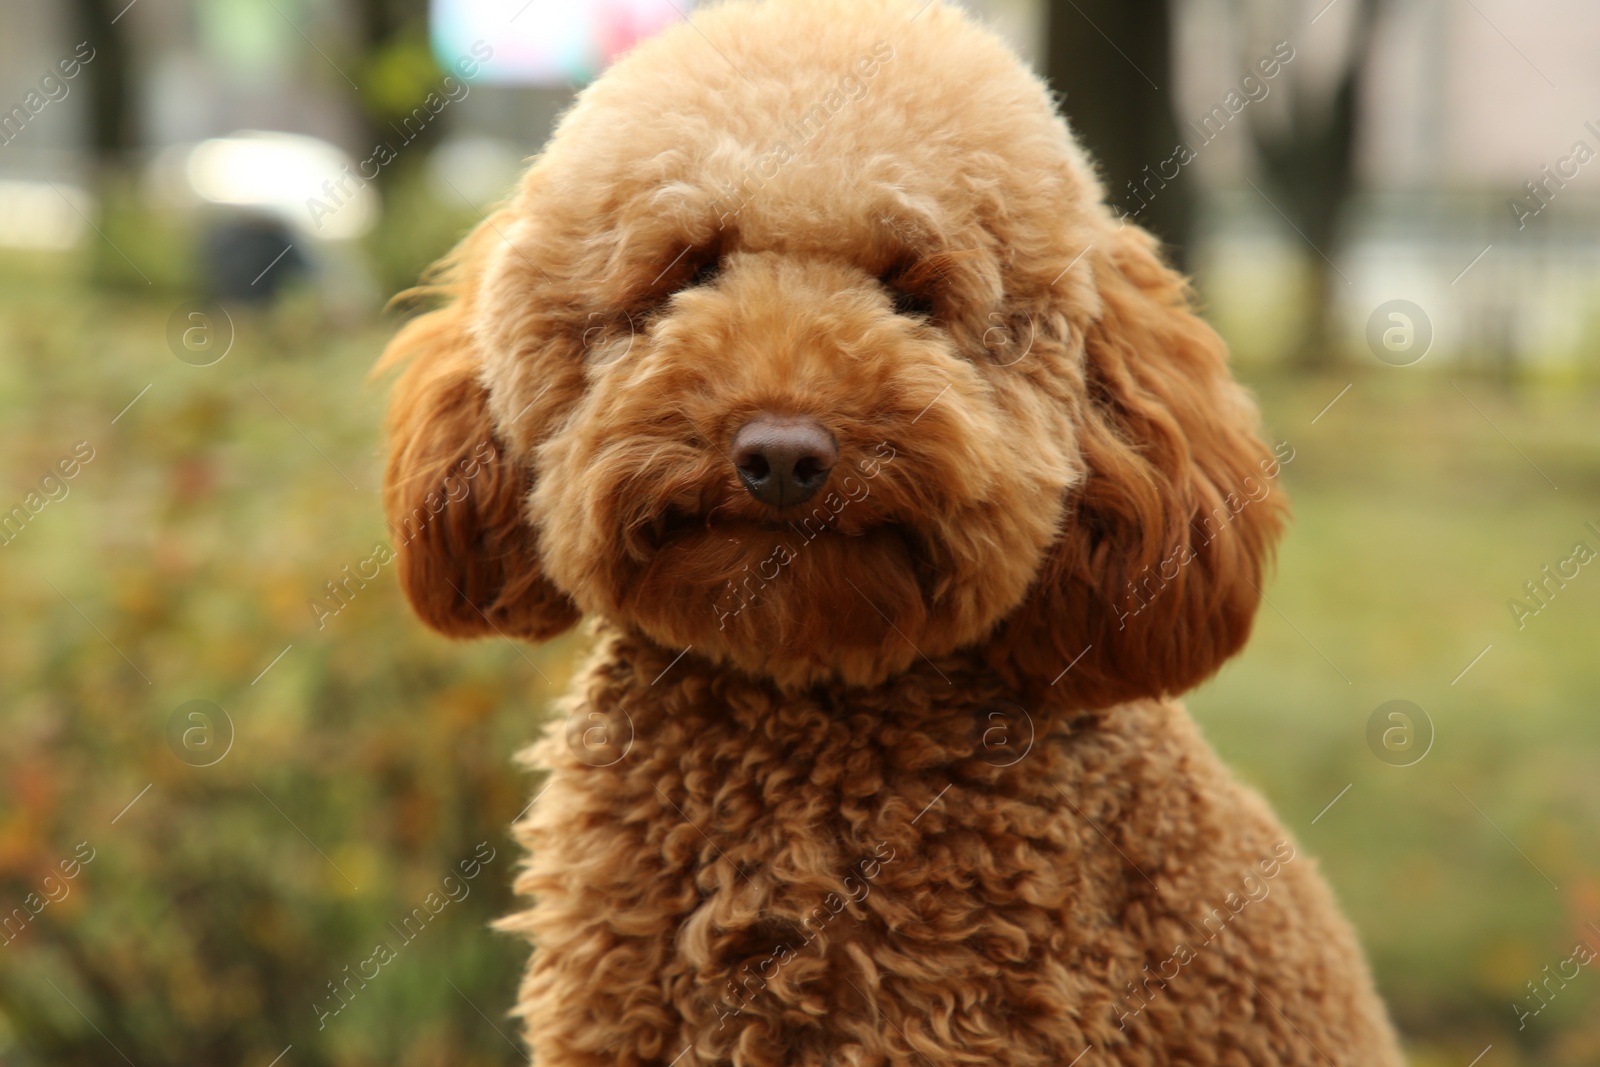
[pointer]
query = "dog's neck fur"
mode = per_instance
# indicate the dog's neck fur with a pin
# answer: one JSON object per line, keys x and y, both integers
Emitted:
{"x": 970, "y": 697}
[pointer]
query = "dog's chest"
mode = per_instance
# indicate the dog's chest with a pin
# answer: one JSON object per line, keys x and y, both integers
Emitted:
{"x": 923, "y": 874}
{"x": 818, "y": 861}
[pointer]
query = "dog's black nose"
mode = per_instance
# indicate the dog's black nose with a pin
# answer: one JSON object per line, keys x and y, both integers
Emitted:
{"x": 783, "y": 459}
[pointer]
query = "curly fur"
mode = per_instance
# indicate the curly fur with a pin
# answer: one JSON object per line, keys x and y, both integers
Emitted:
{"x": 905, "y": 784}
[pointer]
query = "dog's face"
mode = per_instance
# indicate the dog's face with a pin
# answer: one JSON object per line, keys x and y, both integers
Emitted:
{"x": 807, "y": 344}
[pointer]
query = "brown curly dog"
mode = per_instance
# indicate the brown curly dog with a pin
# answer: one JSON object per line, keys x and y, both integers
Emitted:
{"x": 904, "y": 488}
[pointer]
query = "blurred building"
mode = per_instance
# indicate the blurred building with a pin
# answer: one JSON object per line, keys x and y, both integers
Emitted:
{"x": 1469, "y": 110}
{"x": 43, "y": 124}
{"x": 1463, "y": 108}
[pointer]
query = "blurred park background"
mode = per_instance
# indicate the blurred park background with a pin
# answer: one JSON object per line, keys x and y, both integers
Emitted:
{"x": 221, "y": 785}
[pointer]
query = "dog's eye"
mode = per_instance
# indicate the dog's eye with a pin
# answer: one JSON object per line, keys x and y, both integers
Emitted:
{"x": 705, "y": 274}
{"x": 911, "y": 305}
{"x": 907, "y": 300}
{"x": 691, "y": 270}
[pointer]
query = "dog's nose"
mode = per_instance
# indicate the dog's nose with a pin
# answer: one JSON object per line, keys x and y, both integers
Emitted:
{"x": 783, "y": 460}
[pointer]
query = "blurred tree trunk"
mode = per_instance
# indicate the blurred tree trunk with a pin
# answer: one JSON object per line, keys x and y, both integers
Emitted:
{"x": 396, "y": 71}
{"x": 112, "y": 130}
{"x": 1111, "y": 60}
{"x": 1309, "y": 165}
{"x": 381, "y": 19}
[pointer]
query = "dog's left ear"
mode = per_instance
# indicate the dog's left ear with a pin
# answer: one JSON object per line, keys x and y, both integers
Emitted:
{"x": 1156, "y": 574}
{"x": 454, "y": 496}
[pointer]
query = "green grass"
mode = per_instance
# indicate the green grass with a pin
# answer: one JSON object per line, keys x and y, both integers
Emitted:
{"x": 1416, "y": 520}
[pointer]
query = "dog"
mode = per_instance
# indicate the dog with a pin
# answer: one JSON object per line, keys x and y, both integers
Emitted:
{"x": 904, "y": 489}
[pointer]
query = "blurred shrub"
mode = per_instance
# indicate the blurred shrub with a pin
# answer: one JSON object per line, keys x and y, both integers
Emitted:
{"x": 400, "y": 253}
{"x": 216, "y": 915}
{"x": 137, "y": 251}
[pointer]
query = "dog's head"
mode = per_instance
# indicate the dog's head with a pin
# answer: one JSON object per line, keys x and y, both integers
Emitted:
{"x": 808, "y": 343}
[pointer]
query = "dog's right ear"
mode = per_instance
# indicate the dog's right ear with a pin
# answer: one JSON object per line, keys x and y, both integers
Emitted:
{"x": 454, "y": 496}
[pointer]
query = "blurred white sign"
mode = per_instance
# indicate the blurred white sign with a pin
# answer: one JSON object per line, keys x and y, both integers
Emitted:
{"x": 307, "y": 183}
{"x": 48, "y": 215}
{"x": 546, "y": 42}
